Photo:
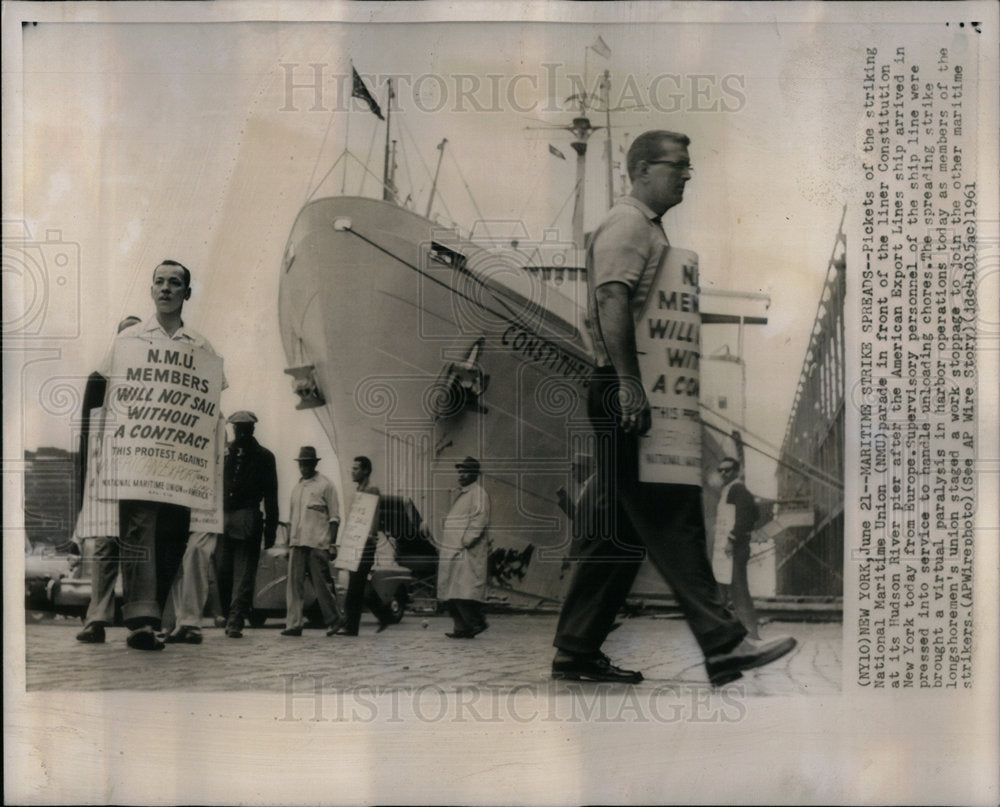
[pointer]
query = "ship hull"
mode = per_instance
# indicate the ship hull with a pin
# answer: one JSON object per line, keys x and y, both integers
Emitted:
{"x": 427, "y": 349}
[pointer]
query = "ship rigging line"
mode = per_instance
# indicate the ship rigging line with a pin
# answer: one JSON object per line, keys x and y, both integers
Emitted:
{"x": 800, "y": 467}
{"x": 368, "y": 161}
{"x": 510, "y": 319}
{"x": 416, "y": 148}
{"x": 319, "y": 154}
{"x": 343, "y": 154}
{"x": 561, "y": 209}
{"x": 530, "y": 195}
{"x": 405, "y": 130}
{"x": 468, "y": 190}
{"x": 423, "y": 164}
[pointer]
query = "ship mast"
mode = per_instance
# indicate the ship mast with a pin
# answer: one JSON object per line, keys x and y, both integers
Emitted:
{"x": 607, "y": 124}
{"x": 388, "y": 188}
{"x": 582, "y": 129}
{"x": 437, "y": 171}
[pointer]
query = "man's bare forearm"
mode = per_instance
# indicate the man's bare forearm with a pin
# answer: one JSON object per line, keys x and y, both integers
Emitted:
{"x": 615, "y": 318}
{"x": 617, "y": 329}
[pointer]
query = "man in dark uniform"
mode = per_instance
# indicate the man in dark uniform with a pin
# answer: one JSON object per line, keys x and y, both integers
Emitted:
{"x": 663, "y": 521}
{"x": 250, "y": 477}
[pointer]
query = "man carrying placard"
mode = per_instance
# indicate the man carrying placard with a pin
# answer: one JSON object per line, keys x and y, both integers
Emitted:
{"x": 162, "y": 413}
{"x": 361, "y": 474}
{"x": 648, "y": 464}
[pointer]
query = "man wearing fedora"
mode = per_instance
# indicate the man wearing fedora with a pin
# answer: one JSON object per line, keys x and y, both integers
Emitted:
{"x": 463, "y": 553}
{"x": 315, "y": 518}
{"x": 250, "y": 478}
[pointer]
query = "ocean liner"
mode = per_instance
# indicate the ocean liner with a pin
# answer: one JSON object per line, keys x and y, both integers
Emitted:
{"x": 418, "y": 346}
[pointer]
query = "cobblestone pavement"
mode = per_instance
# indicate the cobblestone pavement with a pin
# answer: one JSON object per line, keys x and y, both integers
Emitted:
{"x": 515, "y": 652}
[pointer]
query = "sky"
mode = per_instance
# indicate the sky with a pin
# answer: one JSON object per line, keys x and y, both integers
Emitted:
{"x": 202, "y": 142}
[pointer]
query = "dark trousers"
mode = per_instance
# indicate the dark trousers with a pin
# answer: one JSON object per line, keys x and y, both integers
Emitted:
{"x": 314, "y": 563}
{"x": 152, "y": 540}
{"x": 466, "y": 614}
{"x": 236, "y": 557}
{"x": 355, "y": 598}
{"x": 737, "y": 594}
{"x": 627, "y": 519}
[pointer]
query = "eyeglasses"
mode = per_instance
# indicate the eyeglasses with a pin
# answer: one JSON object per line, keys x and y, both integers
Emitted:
{"x": 680, "y": 165}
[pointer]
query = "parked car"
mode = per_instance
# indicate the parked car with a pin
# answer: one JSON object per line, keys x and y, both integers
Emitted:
{"x": 59, "y": 583}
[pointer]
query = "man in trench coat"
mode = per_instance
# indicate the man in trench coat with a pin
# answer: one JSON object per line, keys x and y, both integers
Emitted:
{"x": 464, "y": 552}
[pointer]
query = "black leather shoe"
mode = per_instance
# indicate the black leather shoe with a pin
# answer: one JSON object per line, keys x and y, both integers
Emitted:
{"x": 234, "y": 633}
{"x": 596, "y": 668}
{"x": 479, "y": 629}
{"x": 144, "y": 639}
{"x": 91, "y": 634}
{"x": 382, "y": 626}
{"x": 184, "y": 634}
{"x": 292, "y": 632}
{"x": 725, "y": 667}
{"x": 335, "y": 627}
{"x": 460, "y": 634}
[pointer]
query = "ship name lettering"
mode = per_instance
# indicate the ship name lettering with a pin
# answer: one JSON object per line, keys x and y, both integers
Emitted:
{"x": 541, "y": 350}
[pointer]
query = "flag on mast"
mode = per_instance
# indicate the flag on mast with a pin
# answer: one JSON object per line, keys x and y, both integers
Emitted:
{"x": 600, "y": 47}
{"x": 553, "y": 150}
{"x": 359, "y": 90}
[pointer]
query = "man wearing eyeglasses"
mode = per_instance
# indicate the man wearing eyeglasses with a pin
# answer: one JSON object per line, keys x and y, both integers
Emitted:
{"x": 662, "y": 521}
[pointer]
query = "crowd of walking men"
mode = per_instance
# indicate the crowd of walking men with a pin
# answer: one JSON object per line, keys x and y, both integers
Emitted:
{"x": 165, "y": 560}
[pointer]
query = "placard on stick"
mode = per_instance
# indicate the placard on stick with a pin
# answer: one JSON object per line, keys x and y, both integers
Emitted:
{"x": 360, "y": 524}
